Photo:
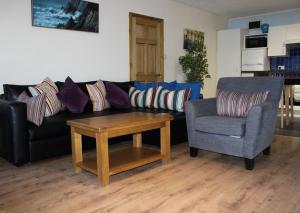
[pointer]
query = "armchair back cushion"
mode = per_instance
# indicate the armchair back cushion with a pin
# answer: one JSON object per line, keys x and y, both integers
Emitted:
{"x": 253, "y": 85}
{"x": 236, "y": 104}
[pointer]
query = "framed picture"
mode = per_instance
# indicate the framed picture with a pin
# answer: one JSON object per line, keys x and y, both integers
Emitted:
{"x": 191, "y": 36}
{"x": 66, "y": 14}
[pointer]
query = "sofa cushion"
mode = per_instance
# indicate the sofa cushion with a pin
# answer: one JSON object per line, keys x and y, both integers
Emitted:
{"x": 165, "y": 85}
{"x": 195, "y": 89}
{"x": 141, "y": 98}
{"x": 123, "y": 85}
{"x": 53, "y": 105}
{"x": 221, "y": 125}
{"x": 72, "y": 96}
{"x": 35, "y": 107}
{"x": 172, "y": 100}
{"x": 97, "y": 93}
{"x": 117, "y": 97}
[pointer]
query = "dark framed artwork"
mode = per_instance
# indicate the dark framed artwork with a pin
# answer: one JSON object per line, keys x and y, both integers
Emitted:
{"x": 191, "y": 36}
{"x": 66, "y": 14}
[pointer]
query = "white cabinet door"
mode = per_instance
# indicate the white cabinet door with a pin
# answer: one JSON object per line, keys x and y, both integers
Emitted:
{"x": 276, "y": 41}
{"x": 229, "y": 52}
{"x": 293, "y": 33}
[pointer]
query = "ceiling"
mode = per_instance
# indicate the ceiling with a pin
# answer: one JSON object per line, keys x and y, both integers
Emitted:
{"x": 240, "y": 8}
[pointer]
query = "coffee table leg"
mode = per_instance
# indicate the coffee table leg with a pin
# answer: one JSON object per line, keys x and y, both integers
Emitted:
{"x": 102, "y": 158}
{"x": 137, "y": 140}
{"x": 76, "y": 149}
{"x": 165, "y": 142}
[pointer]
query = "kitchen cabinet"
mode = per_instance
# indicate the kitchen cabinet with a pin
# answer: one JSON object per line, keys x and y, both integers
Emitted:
{"x": 293, "y": 33}
{"x": 230, "y": 44}
{"x": 276, "y": 41}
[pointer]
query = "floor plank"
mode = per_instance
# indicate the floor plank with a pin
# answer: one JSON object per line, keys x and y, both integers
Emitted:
{"x": 209, "y": 183}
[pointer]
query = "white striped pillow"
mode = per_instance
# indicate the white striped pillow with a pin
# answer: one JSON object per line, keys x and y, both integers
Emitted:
{"x": 171, "y": 100}
{"x": 236, "y": 104}
{"x": 141, "y": 98}
{"x": 36, "y": 107}
{"x": 97, "y": 93}
{"x": 53, "y": 105}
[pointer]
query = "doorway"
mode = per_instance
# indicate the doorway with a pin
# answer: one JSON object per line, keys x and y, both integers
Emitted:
{"x": 146, "y": 48}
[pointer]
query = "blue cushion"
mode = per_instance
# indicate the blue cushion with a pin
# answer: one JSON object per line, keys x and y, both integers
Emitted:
{"x": 143, "y": 86}
{"x": 168, "y": 86}
{"x": 195, "y": 94}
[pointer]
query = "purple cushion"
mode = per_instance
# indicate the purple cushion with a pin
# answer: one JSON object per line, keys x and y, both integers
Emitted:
{"x": 117, "y": 97}
{"x": 72, "y": 96}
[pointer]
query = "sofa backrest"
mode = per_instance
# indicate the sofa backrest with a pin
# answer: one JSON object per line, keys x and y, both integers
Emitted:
{"x": 11, "y": 91}
{"x": 254, "y": 84}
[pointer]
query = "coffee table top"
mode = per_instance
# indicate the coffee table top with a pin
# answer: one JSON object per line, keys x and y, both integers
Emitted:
{"x": 116, "y": 121}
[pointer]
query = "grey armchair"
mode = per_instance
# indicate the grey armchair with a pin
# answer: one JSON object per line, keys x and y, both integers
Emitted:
{"x": 241, "y": 137}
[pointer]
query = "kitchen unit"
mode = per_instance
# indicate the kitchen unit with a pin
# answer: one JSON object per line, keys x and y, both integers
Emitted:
{"x": 280, "y": 36}
{"x": 230, "y": 44}
{"x": 276, "y": 41}
{"x": 255, "y": 59}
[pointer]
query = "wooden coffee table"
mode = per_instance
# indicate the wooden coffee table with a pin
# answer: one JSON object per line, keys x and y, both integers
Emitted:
{"x": 109, "y": 163}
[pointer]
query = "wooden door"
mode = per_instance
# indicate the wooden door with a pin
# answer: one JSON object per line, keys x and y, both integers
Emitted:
{"x": 146, "y": 48}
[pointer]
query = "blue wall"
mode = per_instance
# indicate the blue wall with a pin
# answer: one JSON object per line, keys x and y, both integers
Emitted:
{"x": 273, "y": 19}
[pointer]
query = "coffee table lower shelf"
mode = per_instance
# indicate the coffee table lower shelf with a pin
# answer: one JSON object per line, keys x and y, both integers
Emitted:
{"x": 123, "y": 160}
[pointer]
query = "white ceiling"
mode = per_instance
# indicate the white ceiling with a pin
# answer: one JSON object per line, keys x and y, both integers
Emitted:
{"x": 240, "y": 8}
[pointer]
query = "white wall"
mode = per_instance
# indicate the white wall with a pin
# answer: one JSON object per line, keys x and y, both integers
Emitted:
{"x": 273, "y": 19}
{"x": 29, "y": 54}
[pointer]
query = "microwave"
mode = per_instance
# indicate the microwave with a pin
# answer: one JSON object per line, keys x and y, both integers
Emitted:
{"x": 256, "y": 41}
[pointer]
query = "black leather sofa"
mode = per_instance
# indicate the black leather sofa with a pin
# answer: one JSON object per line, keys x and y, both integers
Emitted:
{"x": 22, "y": 142}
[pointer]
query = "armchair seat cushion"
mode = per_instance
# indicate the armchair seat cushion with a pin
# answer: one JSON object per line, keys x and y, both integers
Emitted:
{"x": 221, "y": 125}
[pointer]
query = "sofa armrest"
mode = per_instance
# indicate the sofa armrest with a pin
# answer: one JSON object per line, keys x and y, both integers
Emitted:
{"x": 14, "y": 145}
{"x": 260, "y": 128}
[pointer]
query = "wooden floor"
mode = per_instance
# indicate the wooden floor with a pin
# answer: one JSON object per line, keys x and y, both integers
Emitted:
{"x": 209, "y": 183}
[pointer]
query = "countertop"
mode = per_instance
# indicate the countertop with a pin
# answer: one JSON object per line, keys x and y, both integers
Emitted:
{"x": 292, "y": 77}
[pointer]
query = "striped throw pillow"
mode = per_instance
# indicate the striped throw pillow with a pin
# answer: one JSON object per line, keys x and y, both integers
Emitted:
{"x": 36, "y": 107}
{"x": 97, "y": 93}
{"x": 141, "y": 98}
{"x": 236, "y": 104}
{"x": 171, "y": 100}
{"x": 53, "y": 105}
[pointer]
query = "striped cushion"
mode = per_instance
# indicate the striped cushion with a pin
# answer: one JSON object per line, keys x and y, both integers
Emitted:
{"x": 53, "y": 105}
{"x": 237, "y": 104}
{"x": 36, "y": 107}
{"x": 97, "y": 94}
{"x": 171, "y": 100}
{"x": 141, "y": 98}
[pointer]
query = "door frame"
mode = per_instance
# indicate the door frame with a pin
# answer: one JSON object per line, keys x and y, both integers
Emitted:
{"x": 161, "y": 47}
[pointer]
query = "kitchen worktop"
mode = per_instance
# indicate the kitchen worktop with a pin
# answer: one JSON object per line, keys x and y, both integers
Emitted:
{"x": 292, "y": 77}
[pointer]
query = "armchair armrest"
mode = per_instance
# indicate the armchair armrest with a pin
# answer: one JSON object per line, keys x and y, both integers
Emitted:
{"x": 14, "y": 132}
{"x": 260, "y": 128}
{"x": 197, "y": 108}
